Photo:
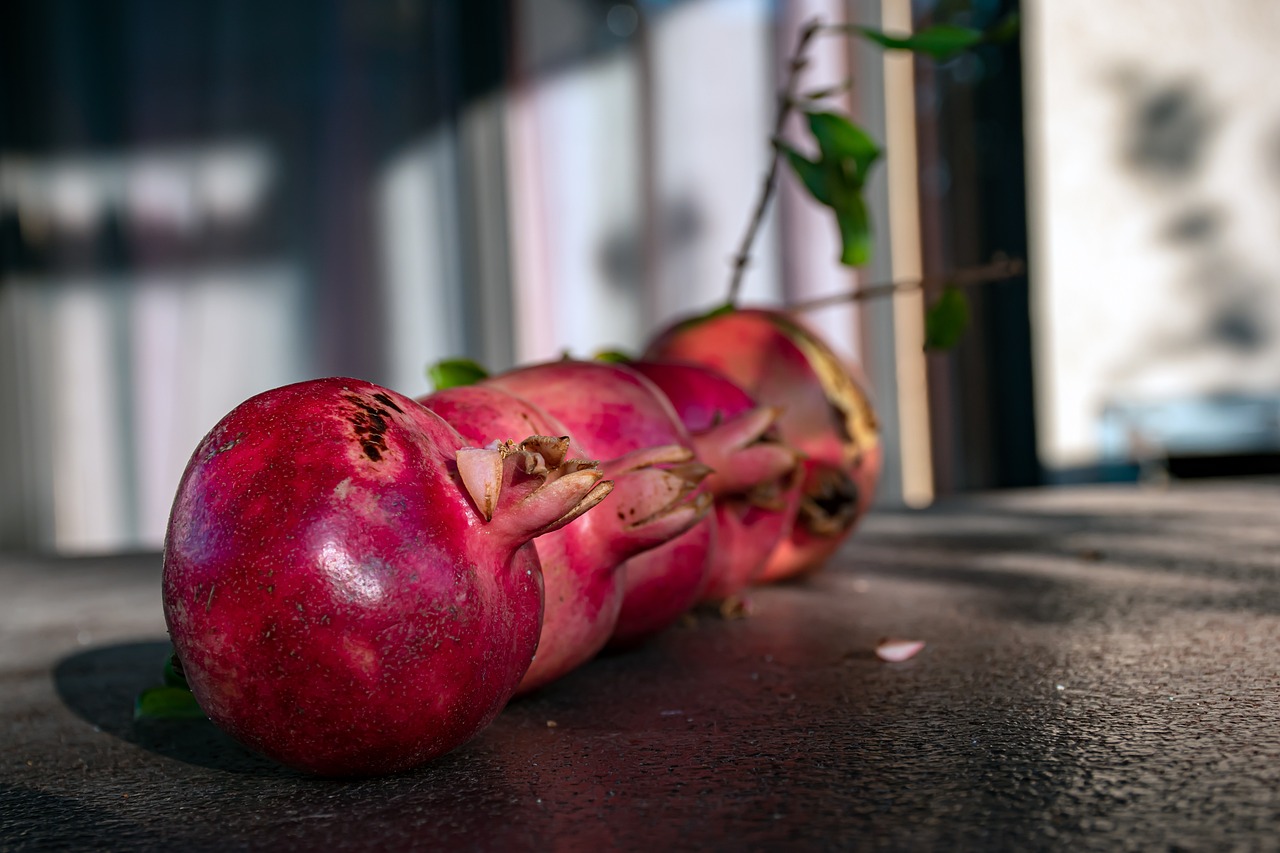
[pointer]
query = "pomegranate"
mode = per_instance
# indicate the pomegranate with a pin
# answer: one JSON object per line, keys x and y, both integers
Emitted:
{"x": 755, "y": 480}
{"x": 615, "y": 411}
{"x": 826, "y": 415}
{"x": 348, "y": 585}
{"x": 581, "y": 561}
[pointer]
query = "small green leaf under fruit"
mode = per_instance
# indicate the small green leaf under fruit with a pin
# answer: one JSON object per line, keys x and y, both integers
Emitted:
{"x": 167, "y": 703}
{"x": 941, "y": 41}
{"x": 613, "y": 356}
{"x": 946, "y": 320}
{"x": 173, "y": 676}
{"x": 455, "y": 373}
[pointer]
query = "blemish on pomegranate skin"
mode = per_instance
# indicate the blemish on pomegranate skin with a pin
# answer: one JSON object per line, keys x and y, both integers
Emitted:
{"x": 369, "y": 423}
{"x": 388, "y": 402}
{"x": 361, "y": 655}
{"x": 223, "y": 448}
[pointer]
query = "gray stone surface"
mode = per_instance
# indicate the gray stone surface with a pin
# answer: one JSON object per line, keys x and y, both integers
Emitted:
{"x": 1102, "y": 672}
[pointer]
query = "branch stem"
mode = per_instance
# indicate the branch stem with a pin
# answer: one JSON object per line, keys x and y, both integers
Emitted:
{"x": 999, "y": 268}
{"x": 786, "y": 102}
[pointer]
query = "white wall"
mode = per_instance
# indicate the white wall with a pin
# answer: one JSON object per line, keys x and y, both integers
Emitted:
{"x": 1154, "y": 148}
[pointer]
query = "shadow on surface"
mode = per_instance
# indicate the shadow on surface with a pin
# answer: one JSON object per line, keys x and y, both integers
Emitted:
{"x": 39, "y": 820}
{"x": 101, "y": 684}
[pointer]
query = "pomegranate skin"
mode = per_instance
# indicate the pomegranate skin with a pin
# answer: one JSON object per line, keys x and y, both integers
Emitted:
{"x": 581, "y": 562}
{"x": 334, "y": 595}
{"x": 826, "y": 415}
{"x": 756, "y": 482}
{"x": 615, "y": 411}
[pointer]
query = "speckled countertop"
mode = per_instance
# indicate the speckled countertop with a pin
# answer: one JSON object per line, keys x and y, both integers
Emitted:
{"x": 1102, "y": 671}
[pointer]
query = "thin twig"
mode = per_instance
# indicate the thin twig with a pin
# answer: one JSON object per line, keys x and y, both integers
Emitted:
{"x": 786, "y": 102}
{"x": 844, "y": 29}
{"x": 998, "y": 269}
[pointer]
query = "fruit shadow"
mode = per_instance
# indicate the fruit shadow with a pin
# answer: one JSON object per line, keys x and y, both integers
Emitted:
{"x": 101, "y": 684}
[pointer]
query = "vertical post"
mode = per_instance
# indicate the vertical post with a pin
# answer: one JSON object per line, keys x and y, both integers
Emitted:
{"x": 902, "y": 166}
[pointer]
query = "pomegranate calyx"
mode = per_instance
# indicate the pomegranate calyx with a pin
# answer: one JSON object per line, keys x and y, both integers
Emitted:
{"x": 481, "y": 472}
{"x": 743, "y": 452}
{"x": 647, "y": 457}
{"x": 664, "y": 493}
{"x": 543, "y": 452}
{"x": 549, "y": 490}
{"x": 692, "y": 472}
{"x": 655, "y": 500}
{"x": 829, "y": 504}
{"x": 586, "y": 485}
{"x": 745, "y": 429}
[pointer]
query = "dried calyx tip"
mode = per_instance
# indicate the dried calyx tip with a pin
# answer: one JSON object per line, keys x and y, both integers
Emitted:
{"x": 692, "y": 472}
{"x": 549, "y": 451}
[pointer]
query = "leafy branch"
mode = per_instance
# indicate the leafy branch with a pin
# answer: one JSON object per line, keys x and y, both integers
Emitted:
{"x": 799, "y": 59}
{"x": 836, "y": 177}
{"x": 999, "y": 268}
{"x": 949, "y": 313}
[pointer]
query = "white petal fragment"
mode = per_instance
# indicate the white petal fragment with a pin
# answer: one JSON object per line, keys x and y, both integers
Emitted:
{"x": 897, "y": 650}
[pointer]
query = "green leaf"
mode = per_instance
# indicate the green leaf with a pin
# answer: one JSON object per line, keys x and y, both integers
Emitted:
{"x": 836, "y": 179}
{"x": 828, "y": 91}
{"x": 840, "y": 140}
{"x": 613, "y": 356}
{"x": 173, "y": 676}
{"x": 855, "y": 231}
{"x": 811, "y": 174}
{"x": 941, "y": 41}
{"x": 166, "y": 703}
{"x": 1006, "y": 29}
{"x": 696, "y": 320}
{"x": 455, "y": 372}
{"x": 946, "y": 320}
{"x": 719, "y": 311}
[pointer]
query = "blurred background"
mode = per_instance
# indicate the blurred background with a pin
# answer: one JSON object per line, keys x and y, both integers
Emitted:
{"x": 203, "y": 200}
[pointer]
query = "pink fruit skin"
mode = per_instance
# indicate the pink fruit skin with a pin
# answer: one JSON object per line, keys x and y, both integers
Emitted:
{"x": 755, "y": 483}
{"x": 581, "y": 561}
{"x": 335, "y": 598}
{"x": 758, "y": 349}
{"x": 615, "y": 411}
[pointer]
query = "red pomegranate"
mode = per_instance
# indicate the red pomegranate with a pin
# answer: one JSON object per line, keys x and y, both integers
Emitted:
{"x": 755, "y": 478}
{"x": 581, "y": 562}
{"x": 826, "y": 415}
{"x": 348, "y": 586}
{"x": 615, "y": 411}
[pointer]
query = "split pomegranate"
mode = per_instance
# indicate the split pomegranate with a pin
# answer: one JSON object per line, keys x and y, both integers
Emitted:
{"x": 581, "y": 561}
{"x": 826, "y": 415}
{"x": 754, "y": 477}
{"x": 615, "y": 411}
{"x": 348, "y": 585}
